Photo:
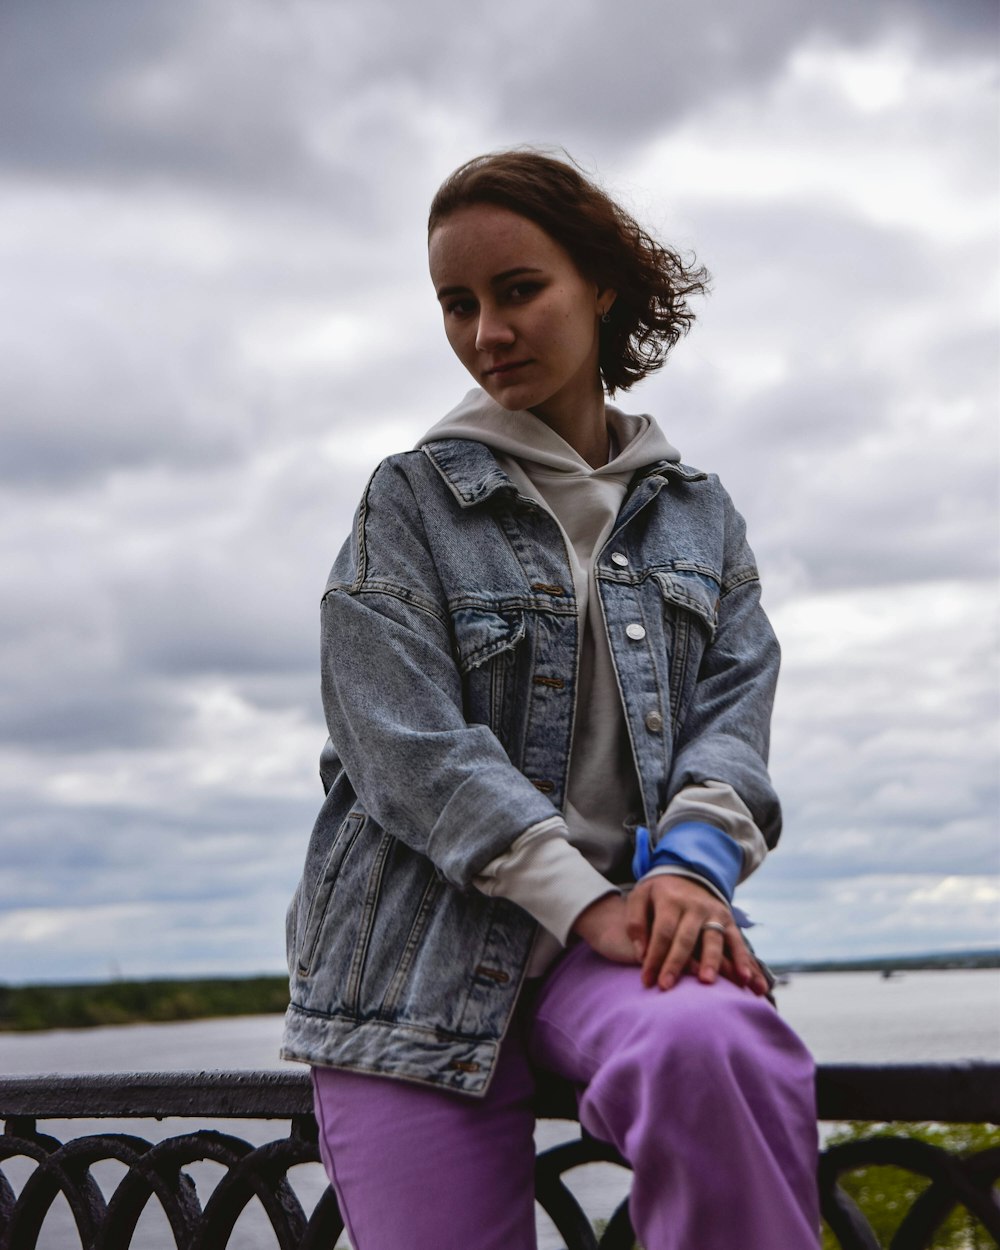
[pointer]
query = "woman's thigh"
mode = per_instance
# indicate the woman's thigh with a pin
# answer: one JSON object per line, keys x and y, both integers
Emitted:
{"x": 428, "y": 1169}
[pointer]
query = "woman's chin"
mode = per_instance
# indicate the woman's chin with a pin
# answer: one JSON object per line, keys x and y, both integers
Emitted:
{"x": 513, "y": 398}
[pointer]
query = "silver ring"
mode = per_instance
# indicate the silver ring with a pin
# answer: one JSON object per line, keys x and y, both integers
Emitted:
{"x": 715, "y": 925}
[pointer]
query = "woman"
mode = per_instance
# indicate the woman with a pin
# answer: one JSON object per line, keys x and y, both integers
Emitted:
{"x": 548, "y": 683}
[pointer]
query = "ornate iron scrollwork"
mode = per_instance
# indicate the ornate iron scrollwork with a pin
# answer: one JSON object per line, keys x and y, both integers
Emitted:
{"x": 160, "y": 1173}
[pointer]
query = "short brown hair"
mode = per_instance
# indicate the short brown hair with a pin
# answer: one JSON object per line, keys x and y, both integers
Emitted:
{"x": 652, "y": 282}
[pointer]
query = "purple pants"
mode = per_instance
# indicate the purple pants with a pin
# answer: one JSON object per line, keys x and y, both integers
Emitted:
{"x": 703, "y": 1089}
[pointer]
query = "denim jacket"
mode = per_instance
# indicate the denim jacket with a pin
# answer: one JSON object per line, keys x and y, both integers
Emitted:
{"x": 450, "y": 649}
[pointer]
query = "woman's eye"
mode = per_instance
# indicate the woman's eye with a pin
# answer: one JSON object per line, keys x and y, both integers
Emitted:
{"x": 523, "y": 290}
{"x": 458, "y": 307}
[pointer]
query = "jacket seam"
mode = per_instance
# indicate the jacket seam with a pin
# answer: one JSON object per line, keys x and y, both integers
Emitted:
{"x": 392, "y": 591}
{"x": 359, "y": 530}
{"x": 435, "y": 1032}
{"x": 740, "y": 578}
{"x": 513, "y": 603}
{"x": 631, "y": 577}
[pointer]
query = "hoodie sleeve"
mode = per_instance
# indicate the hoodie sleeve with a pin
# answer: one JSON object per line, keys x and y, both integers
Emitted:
{"x": 546, "y": 876}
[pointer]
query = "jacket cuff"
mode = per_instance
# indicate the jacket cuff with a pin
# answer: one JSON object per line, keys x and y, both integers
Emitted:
{"x": 716, "y": 803}
{"x": 694, "y": 845}
{"x": 546, "y": 876}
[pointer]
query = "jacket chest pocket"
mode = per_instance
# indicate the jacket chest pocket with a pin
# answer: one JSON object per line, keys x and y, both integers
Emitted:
{"x": 486, "y": 643}
{"x": 691, "y": 609}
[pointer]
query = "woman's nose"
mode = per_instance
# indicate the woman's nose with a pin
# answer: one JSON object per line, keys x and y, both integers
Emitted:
{"x": 493, "y": 330}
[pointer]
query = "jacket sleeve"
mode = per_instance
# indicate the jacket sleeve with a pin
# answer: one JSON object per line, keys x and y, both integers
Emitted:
{"x": 725, "y": 733}
{"x": 392, "y": 695}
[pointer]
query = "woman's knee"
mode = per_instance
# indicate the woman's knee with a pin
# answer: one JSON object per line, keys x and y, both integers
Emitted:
{"x": 706, "y": 1030}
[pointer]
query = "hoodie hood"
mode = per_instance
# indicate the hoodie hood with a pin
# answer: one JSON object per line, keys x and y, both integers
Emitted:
{"x": 638, "y": 440}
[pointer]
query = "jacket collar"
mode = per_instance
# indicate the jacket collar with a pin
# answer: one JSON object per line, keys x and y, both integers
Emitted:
{"x": 473, "y": 475}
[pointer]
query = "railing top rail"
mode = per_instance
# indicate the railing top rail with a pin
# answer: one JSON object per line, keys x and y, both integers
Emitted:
{"x": 956, "y": 1092}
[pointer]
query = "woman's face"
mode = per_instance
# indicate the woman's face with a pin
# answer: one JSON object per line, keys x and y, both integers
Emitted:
{"x": 517, "y": 312}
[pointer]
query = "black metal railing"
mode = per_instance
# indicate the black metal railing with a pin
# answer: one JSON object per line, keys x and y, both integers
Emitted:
{"x": 145, "y": 1172}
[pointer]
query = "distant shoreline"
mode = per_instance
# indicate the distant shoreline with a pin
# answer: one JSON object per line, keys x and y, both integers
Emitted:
{"x": 943, "y": 961}
{"x": 30, "y": 1008}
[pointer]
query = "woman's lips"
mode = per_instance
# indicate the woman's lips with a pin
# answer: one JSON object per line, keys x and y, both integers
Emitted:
{"x": 504, "y": 370}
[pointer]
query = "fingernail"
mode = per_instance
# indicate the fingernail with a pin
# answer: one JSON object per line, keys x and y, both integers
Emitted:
{"x": 667, "y": 982}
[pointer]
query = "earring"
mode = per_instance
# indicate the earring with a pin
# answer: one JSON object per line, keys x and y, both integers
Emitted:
{"x": 606, "y": 316}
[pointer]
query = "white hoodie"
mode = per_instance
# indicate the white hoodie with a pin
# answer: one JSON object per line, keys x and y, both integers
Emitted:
{"x": 556, "y": 869}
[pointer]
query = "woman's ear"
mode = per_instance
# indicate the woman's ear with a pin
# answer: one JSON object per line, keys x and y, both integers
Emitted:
{"x": 606, "y": 300}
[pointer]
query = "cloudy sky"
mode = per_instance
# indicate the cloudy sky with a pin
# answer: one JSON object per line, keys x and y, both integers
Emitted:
{"x": 216, "y": 319}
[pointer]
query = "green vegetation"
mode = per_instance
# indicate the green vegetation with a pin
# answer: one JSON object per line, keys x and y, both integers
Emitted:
{"x": 885, "y": 1194}
{"x": 79, "y": 1006}
{"x": 29, "y": 1007}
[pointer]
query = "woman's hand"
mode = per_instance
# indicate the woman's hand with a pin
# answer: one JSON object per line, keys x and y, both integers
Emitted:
{"x": 665, "y": 923}
{"x": 603, "y": 926}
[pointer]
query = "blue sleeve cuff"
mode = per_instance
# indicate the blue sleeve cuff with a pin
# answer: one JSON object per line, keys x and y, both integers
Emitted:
{"x": 692, "y": 844}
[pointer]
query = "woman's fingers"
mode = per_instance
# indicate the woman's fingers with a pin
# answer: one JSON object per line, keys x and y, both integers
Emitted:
{"x": 637, "y": 917}
{"x": 757, "y": 981}
{"x": 655, "y": 908}
{"x": 744, "y": 965}
{"x": 671, "y": 945}
{"x": 679, "y": 907}
{"x": 712, "y": 953}
{"x": 666, "y": 918}
{"x": 602, "y": 927}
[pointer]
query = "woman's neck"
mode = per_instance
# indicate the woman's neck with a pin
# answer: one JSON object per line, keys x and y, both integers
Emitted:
{"x": 583, "y": 425}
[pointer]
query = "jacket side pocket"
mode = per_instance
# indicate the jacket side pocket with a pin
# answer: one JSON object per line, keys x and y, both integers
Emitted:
{"x": 346, "y": 837}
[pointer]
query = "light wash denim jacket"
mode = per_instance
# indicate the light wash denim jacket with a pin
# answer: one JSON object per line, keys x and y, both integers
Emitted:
{"x": 450, "y": 648}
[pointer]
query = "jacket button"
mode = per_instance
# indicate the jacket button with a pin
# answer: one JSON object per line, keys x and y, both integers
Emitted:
{"x": 619, "y": 559}
{"x": 493, "y": 974}
{"x": 635, "y": 631}
{"x": 654, "y": 722}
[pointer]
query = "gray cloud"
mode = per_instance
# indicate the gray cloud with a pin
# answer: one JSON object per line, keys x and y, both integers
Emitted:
{"x": 602, "y": 74}
{"x": 286, "y": 98}
{"x": 212, "y": 236}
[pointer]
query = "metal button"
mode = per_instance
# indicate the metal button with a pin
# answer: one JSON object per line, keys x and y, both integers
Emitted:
{"x": 619, "y": 559}
{"x": 635, "y": 631}
{"x": 654, "y": 722}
